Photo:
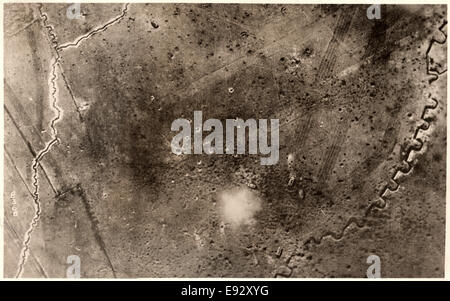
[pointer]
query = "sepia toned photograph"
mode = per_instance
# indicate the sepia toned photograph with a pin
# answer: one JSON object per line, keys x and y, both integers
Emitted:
{"x": 215, "y": 140}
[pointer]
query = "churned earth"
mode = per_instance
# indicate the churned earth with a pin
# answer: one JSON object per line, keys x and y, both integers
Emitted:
{"x": 89, "y": 170}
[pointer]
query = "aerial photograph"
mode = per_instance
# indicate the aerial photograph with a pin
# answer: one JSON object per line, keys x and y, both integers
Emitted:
{"x": 214, "y": 140}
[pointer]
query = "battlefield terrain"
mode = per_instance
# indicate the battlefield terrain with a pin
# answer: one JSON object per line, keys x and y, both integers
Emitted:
{"x": 88, "y": 167}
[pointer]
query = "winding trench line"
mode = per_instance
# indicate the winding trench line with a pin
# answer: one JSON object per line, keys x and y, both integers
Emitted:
{"x": 433, "y": 72}
{"x": 36, "y": 161}
{"x": 96, "y": 30}
{"x": 54, "y": 132}
{"x": 393, "y": 184}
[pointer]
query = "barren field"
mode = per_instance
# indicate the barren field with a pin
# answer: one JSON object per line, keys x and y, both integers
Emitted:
{"x": 89, "y": 171}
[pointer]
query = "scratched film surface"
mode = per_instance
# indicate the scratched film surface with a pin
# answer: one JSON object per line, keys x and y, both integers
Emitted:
{"x": 89, "y": 172}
